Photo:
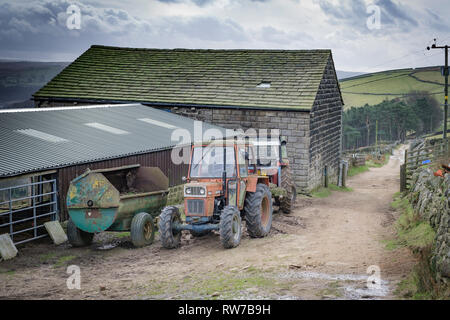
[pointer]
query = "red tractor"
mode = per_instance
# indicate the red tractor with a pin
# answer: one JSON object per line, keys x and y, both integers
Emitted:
{"x": 222, "y": 188}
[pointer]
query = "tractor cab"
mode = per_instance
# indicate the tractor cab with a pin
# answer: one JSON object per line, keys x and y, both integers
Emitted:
{"x": 218, "y": 173}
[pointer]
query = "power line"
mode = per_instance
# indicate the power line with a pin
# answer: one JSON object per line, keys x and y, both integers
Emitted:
{"x": 395, "y": 59}
{"x": 418, "y": 58}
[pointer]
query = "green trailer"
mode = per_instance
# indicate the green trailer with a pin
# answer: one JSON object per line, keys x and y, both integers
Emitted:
{"x": 116, "y": 199}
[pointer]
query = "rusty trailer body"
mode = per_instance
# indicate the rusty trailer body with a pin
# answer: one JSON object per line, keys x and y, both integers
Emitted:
{"x": 110, "y": 199}
{"x": 160, "y": 159}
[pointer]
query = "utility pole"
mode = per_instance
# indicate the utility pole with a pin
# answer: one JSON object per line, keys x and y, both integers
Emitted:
{"x": 446, "y": 73}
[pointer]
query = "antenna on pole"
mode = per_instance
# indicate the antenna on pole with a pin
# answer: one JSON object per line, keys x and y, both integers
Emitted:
{"x": 446, "y": 74}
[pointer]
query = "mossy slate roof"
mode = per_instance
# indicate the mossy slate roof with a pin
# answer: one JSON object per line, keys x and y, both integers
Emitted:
{"x": 224, "y": 78}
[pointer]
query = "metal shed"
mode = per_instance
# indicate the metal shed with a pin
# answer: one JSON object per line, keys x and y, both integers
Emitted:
{"x": 42, "y": 150}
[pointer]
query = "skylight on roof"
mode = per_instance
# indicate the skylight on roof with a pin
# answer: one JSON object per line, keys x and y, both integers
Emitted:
{"x": 106, "y": 128}
{"x": 264, "y": 85}
{"x": 158, "y": 123}
{"x": 41, "y": 135}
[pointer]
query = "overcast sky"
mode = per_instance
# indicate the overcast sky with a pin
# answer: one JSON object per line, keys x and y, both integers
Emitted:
{"x": 38, "y": 30}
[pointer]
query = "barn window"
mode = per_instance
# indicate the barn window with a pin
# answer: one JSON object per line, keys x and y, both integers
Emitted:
{"x": 264, "y": 85}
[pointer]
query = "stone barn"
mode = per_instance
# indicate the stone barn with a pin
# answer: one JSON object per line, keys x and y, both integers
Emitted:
{"x": 296, "y": 91}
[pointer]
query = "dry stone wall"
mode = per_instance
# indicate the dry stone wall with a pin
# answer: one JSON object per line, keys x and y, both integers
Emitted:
{"x": 430, "y": 197}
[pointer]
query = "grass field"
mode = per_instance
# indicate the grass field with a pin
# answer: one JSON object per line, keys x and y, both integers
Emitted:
{"x": 374, "y": 88}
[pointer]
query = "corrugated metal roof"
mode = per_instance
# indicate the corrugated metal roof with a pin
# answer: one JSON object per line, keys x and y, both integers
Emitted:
{"x": 34, "y": 139}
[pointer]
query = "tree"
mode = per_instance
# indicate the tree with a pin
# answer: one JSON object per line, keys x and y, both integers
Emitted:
{"x": 419, "y": 113}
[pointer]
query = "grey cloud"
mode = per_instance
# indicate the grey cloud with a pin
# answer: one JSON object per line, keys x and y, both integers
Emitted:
{"x": 273, "y": 35}
{"x": 197, "y": 2}
{"x": 207, "y": 28}
{"x": 204, "y": 2}
{"x": 40, "y": 26}
{"x": 396, "y": 12}
{"x": 352, "y": 13}
{"x": 435, "y": 22}
{"x": 394, "y": 17}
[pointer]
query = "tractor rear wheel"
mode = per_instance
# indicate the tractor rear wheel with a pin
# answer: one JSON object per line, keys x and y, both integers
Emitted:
{"x": 288, "y": 201}
{"x": 78, "y": 237}
{"x": 230, "y": 227}
{"x": 142, "y": 230}
{"x": 170, "y": 238}
{"x": 258, "y": 211}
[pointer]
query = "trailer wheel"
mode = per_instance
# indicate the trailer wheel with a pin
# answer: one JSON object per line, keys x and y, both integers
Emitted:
{"x": 230, "y": 227}
{"x": 142, "y": 230}
{"x": 170, "y": 238}
{"x": 258, "y": 211}
{"x": 78, "y": 237}
{"x": 287, "y": 202}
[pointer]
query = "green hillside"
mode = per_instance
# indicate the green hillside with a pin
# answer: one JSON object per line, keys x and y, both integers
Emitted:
{"x": 374, "y": 88}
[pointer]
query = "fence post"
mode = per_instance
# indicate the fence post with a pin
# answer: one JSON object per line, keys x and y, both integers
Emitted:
{"x": 403, "y": 178}
{"x": 406, "y": 168}
{"x": 344, "y": 173}
{"x": 10, "y": 206}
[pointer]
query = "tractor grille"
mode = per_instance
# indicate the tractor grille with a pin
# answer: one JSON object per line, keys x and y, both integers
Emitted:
{"x": 196, "y": 206}
{"x": 196, "y": 191}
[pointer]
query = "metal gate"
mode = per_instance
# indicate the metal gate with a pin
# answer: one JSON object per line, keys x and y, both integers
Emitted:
{"x": 25, "y": 208}
{"x": 426, "y": 155}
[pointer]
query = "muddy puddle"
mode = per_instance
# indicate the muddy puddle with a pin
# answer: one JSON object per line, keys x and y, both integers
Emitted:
{"x": 345, "y": 286}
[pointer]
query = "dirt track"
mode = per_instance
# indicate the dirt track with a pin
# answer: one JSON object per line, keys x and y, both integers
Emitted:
{"x": 321, "y": 251}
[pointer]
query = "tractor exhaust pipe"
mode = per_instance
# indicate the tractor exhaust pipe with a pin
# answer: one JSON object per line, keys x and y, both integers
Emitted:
{"x": 224, "y": 174}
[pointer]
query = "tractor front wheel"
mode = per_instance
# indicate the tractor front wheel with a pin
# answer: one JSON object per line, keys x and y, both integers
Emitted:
{"x": 258, "y": 211}
{"x": 78, "y": 237}
{"x": 142, "y": 230}
{"x": 230, "y": 227}
{"x": 170, "y": 238}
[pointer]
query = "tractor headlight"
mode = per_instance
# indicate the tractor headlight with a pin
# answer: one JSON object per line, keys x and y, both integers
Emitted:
{"x": 195, "y": 191}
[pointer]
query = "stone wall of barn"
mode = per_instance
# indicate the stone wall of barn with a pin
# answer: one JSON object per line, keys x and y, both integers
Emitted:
{"x": 292, "y": 124}
{"x": 325, "y": 130}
